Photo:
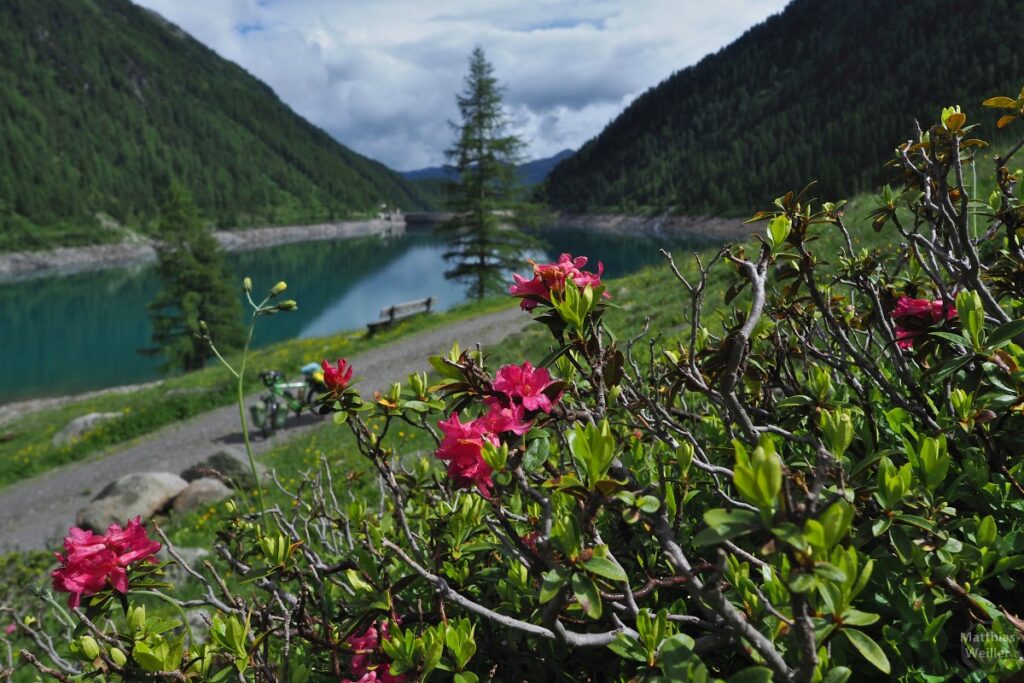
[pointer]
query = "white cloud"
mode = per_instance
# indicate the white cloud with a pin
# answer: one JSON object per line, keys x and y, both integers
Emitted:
{"x": 381, "y": 75}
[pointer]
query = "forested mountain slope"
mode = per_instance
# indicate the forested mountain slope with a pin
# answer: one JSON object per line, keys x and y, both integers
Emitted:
{"x": 102, "y": 103}
{"x": 819, "y": 91}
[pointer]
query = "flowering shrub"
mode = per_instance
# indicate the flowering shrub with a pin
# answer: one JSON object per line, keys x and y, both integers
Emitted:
{"x": 781, "y": 492}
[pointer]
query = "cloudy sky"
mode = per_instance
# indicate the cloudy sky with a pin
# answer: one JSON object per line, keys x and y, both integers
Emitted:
{"x": 381, "y": 75}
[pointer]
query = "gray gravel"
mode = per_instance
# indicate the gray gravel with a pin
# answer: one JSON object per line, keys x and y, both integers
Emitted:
{"x": 36, "y": 513}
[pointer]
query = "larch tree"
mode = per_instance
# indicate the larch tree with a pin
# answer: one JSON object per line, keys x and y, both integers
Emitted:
{"x": 485, "y": 196}
{"x": 196, "y": 289}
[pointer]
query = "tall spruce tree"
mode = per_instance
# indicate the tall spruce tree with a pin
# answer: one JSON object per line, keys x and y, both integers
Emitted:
{"x": 196, "y": 288}
{"x": 482, "y": 240}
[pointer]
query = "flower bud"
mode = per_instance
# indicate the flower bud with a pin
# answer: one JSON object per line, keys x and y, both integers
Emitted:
{"x": 278, "y": 288}
{"x": 137, "y": 617}
{"x": 90, "y": 648}
{"x": 118, "y": 657}
{"x": 288, "y": 305}
{"x": 247, "y": 285}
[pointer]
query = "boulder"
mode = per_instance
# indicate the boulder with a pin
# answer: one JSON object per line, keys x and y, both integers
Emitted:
{"x": 199, "y": 625}
{"x": 201, "y": 493}
{"x": 193, "y": 557}
{"x": 80, "y": 426}
{"x": 230, "y": 466}
{"x": 134, "y": 495}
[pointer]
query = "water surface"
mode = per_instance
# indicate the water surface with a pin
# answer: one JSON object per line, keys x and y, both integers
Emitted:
{"x": 80, "y": 332}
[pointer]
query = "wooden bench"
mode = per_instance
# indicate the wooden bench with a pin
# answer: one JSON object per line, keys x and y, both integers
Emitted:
{"x": 393, "y": 314}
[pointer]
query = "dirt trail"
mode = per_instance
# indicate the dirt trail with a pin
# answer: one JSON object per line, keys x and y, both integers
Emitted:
{"x": 36, "y": 513}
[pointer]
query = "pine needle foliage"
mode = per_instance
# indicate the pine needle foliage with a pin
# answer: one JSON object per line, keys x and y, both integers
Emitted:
{"x": 483, "y": 242}
{"x": 196, "y": 288}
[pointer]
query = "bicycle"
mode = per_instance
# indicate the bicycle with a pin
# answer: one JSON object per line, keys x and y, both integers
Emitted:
{"x": 271, "y": 412}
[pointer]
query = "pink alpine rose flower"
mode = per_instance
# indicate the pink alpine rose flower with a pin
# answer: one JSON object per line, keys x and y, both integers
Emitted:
{"x": 336, "y": 378}
{"x": 462, "y": 449}
{"x": 501, "y": 418}
{"x": 525, "y": 385}
{"x": 918, "y": 314}
{"x": 10, "y": 628}
{"x": 551, "y": 277}
{"x": 95, "y": 562}
{"x": 363, "y": 664}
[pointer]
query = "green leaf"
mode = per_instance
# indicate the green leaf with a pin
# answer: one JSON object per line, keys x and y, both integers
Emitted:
{"x": 1005, "y": 332}
{"x": 840, "y": 674}
{"x": 648, "y": 504}
{"x": 796, "y": 401}
{"x": 752, "y": 674}
{"x": 537, "y": 451}
{"x": 147, "y": 659}
{"x": 852, "y": 617}
{"x": 552, "y": 583}
{"x": 585, "y": 590}
{"x": 868, "y": 649}
{"x": 953, "y": 337}
{"x": 603, "y": 566}
{"x": 829, "y": 571}
{"x": 674, "y": 656}
{"x": 724, "y": 524}
{"x": 628, "y": 648}
{"x": 933, "y": 628}
{"x": 802, "y": 583}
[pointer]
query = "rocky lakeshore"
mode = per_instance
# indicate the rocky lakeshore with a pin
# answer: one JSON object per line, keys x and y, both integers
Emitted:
{"x": 712, "y": 229}
{"x": 23, "y": 265}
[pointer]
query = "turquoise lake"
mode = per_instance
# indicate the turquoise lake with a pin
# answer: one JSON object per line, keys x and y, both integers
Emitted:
{"x": 81, "y": 332}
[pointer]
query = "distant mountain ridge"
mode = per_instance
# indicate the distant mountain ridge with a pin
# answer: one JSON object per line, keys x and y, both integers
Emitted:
{"x": 530, "y": 172}
{"x": 822, "y": 91}
{"x": 102, "y": 103}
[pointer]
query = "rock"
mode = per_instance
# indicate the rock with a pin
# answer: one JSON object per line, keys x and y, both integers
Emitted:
{"x": 193, "y": 557}
{"x": 134, "y": 495}
{"x": 230, "y": 466}
{"x": 201, "y": 493}
{"x": 80, "y": 426}
{"x": 199, "y": 624}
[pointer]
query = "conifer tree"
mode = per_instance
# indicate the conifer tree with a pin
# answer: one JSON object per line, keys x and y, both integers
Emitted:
{"x": 196, "y": 288}
{"x": 482, "y": 240}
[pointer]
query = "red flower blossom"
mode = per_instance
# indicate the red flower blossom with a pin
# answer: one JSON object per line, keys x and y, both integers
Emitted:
{"x": 10, "y": 628}
{"x": 530, "y": 539}
{"x": 336, "y": 379}
{"x": 551, "y": 277}
{"x": 462, "y": 448}
{"x": 94, "y": 562}
{"x": 525, "y": 385}
{"x": 501, "y": 418}
{"x": 919, "y": 314}
{"x": 363, "y": 665}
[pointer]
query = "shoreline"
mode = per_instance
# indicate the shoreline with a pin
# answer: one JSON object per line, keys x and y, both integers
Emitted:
{"x": 710, "y": 228}
{"x": 28, "y": 265}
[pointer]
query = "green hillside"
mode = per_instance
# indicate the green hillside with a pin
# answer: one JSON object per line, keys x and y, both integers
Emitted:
{"x": 102, "y": 103}
{"x": 820, "y": 91}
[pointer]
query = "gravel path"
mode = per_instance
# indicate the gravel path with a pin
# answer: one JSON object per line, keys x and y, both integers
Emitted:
{"x": 36, "y": 513}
